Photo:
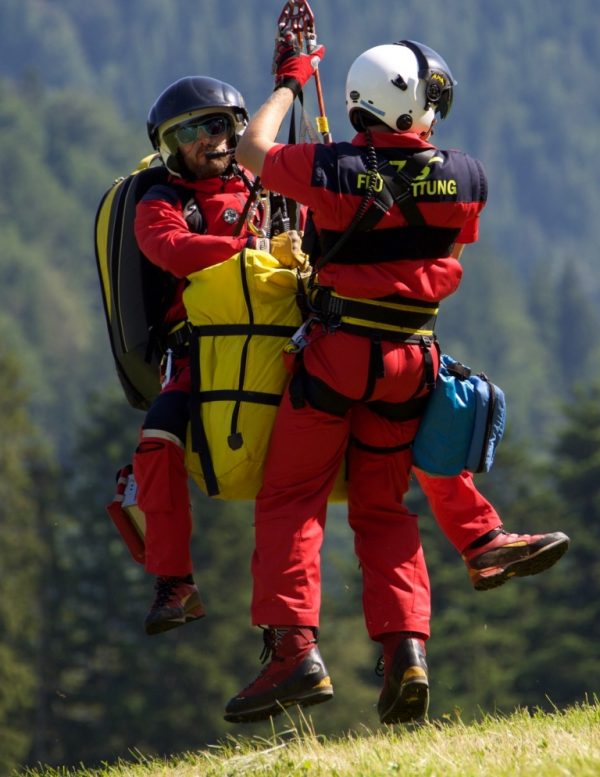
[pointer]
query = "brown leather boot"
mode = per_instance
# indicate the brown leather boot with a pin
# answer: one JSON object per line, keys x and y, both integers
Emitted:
{"x": 405, "y": 694}
{"x": 295, "y": 675}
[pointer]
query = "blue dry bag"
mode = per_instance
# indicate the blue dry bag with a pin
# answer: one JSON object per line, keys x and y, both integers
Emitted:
{"x": 463, "y": 422}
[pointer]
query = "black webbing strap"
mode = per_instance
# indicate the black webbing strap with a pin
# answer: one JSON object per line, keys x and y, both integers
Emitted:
{"x": 249, "y": 202}
{"x": 235, "y": 440}
{"x": 308, "y": 389}
{"x": 227, "y": 395}
{"x": 410, "y": 318}
{"x": 198, "y": 432}
{"x": 400, "y": 411}
{"x": 305, "y": 388}
{"x": 380, "y": 449}
{"x": 397, "y": 189}
{"x": 376, "y": 368}
{"x": 217, "y": 330}
{"x": 391, "y": 244}
{"x": 427, "y": 343}
{"x": 178, "y": 337}
{"x": 392, "y": 337}
{"x": 291, "y": 205}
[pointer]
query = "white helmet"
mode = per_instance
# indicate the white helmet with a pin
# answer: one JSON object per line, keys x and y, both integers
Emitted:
{"x": 402, "y": 85}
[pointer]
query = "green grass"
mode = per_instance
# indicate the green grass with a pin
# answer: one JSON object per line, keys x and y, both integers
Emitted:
{"x": 523, "y": 744}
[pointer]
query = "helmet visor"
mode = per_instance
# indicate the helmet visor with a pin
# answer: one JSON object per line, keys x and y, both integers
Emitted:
{"x": 439, "y": 92}
{"x": 436, "y": 74}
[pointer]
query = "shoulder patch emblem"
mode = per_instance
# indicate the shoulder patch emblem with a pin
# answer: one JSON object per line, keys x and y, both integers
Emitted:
{"x": 230, "y": 216}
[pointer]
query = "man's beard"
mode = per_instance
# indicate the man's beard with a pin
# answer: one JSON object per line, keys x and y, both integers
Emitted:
{"x": 211, "y": 168}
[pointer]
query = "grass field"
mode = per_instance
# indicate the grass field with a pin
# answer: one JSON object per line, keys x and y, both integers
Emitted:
{"x": 523, "y": 744}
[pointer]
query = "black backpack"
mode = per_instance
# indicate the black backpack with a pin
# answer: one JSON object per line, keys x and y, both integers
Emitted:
{"x": 136, "y": 293}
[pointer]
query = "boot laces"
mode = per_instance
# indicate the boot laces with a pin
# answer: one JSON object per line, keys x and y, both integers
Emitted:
{"x": 380, "y": 667}
{"x": 164, "y": 588}
{"x": 272, "y": 637}
{"x": 271, "y": 640}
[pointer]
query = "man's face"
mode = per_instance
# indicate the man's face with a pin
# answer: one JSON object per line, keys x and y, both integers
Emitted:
{"x": 208, "y": 135}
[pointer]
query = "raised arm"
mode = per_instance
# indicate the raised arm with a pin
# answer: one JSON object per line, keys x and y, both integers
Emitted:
{"x": 292, "y": 70}
{"x": 262, "y": 130}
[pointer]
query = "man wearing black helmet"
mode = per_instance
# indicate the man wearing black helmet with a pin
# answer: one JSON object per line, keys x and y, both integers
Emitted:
{"x": 185, "y": 226}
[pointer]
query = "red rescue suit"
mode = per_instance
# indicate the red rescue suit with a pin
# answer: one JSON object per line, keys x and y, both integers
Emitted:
{"x": 164, "y": 236}
{"x": 308, "y": 445}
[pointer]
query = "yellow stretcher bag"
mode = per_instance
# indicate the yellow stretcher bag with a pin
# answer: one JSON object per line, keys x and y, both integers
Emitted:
{"x": 242, "y": 312}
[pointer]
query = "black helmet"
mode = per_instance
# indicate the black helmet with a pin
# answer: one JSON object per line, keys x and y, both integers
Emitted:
{"x": 189, "y": 98}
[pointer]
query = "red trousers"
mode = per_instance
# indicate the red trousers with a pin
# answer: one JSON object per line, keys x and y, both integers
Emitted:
{"x": 306, "y": 451}
{"x": 462, "y": 513}
{"x": 162, "y": 479}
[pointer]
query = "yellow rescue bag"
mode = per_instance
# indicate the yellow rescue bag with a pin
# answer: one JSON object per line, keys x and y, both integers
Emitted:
{"x": 242, "y": 312}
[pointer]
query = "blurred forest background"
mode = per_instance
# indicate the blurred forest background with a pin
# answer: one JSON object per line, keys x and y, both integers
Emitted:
{"x": 79, "y": 680}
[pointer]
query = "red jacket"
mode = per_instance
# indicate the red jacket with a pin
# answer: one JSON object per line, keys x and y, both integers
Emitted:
{"x": 164, "y": 236}
{"x": 331, "y": 181}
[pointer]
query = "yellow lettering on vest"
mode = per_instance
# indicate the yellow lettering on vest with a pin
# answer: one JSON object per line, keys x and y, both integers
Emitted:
{"x": 434, "y": 188}
{"x": 362, "y": 181}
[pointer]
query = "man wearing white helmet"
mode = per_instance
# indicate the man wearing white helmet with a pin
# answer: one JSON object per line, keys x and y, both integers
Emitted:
{"x": 392, "y": 214}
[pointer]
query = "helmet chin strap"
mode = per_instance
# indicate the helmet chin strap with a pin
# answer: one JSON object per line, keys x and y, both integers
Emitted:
{"x": 428, "y": 133}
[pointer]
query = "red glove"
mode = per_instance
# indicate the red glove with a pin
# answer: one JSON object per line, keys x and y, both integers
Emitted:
{"x": 292, "y": 68}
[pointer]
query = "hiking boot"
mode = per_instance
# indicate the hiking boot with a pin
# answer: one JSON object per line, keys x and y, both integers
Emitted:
{"x": 295, "y": 675}
{"x": 405, "y": 694}
{"x": 176, "y": 603}
{"x": 497, "y": 556}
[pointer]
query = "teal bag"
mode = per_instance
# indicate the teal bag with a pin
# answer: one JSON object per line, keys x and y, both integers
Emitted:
{"x": 463, "y": 423}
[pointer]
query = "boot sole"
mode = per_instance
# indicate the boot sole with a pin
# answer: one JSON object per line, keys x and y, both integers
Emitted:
{"x": 307, "y": 699}
{"x": 533, "y": 565}
{"x": 410, "y": 706}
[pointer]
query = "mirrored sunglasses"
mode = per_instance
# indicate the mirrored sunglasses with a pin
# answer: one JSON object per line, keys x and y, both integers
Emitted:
{"x": 207, "y": 127}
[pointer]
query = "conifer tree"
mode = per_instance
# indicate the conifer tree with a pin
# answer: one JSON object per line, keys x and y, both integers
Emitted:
{"x": 112, "y": 689}
{"x": 22, "y": 555}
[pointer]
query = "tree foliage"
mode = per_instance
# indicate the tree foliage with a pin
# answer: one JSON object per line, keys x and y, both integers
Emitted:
{"x": 22, "y": 555}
